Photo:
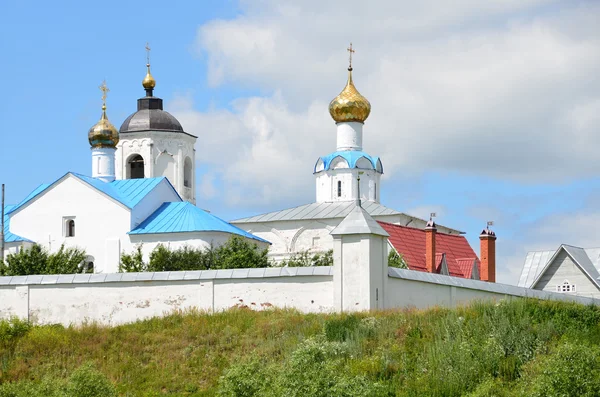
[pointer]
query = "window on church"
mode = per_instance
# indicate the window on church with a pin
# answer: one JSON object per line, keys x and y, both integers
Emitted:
{"x": 565, "y": 287}
{"x": 339, "y": 189}
{"x": 375, "y": 194}
{"x": 70, "y": 228}
{"x": 187, "y": 172}
{"x": 135, "y": 167}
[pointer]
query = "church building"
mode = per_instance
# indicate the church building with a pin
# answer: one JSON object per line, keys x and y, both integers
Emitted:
{"x": 349, "y": 174}
{"x": 141, "y": 192}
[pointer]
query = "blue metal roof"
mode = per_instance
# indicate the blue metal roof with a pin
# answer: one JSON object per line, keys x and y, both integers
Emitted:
{"x": 128, "y": 192}
{"x": 351, "y": 157}
{"x": 8, "y": 236}
{"x": 181, "y": 217}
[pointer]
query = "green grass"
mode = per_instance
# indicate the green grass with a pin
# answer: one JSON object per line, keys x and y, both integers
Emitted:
{"x": 515, "y": 348}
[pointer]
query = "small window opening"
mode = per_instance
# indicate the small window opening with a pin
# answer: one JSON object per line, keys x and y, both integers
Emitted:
{"x": 565, "y": 287}
{"x": 187, "y": 172}
{"x": 136, "y": 167}
{"x": 375, "y": 194}
{"x": 339, "y": 189}
{"x": 70, "y": 228}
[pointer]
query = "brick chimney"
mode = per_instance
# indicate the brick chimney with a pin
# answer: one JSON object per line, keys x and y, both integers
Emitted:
{"x": 430, "y": 232}
{"x": 488, "y": 255}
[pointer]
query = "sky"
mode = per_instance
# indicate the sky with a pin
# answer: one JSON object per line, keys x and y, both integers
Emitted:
{"x": 480, "y": 110}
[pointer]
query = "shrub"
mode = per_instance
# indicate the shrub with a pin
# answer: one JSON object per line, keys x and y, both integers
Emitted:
{"x": 12, "y": 329}
{"x": 396, "y": 260}
{"x": 86, "y": 381}
{"x": 133, "y": 262}
{"x": 37, "y": 260}
{"x": 239, "y": 252}
{"x": 305, "y": 259}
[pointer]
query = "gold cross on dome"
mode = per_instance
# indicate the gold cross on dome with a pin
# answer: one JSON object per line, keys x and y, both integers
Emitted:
{"x": 148, "y": 53}
{"x": 351, "y": 51}
{"x": 104, "y": 90}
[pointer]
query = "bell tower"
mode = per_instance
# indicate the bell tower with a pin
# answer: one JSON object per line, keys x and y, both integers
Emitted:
{"x": 153, "y": 144}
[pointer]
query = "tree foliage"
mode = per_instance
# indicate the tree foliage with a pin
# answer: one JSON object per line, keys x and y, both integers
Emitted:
{"x": 396, "y": 260}
{"x": 37, "y": 260}
{"x": 237, "y": 252}
{"x": 305, "y": 259}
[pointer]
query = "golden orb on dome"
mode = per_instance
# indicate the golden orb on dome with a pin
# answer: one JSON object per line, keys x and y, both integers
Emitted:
{"x": 103, "y": 134}
{"x": 349, "y": 105}
{"x": 149, "y": 83}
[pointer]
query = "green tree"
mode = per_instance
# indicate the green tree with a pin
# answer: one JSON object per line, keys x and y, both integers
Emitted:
{"x": 396, "y": 260}
{"x": 133, "y": 262}
{"x": 239, "y": 253}
{"x": 305, "y": 259}
{"x": 37, "y": 260}
{"x": 66, "y": 261}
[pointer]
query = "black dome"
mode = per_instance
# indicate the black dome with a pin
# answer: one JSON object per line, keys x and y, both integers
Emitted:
{"x": 150, "y": 116}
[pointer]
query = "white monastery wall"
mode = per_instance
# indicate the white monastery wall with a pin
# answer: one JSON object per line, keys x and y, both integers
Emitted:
{"x": 94, "y": 229}
{"x": 564, "y": 269}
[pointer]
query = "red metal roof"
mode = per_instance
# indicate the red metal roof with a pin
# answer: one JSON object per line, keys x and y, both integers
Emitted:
{"x": 410, "y": 243}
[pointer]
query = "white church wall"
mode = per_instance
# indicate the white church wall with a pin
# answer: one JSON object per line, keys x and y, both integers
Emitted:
{"x": 97, "y": 217}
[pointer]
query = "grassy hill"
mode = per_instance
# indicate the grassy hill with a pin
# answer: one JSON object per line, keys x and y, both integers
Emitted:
{"x": 516, "y": 348}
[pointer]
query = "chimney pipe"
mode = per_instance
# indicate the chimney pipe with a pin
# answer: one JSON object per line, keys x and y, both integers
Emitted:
{"x": 488, "y": 255}
{"x": 430, "y": 232}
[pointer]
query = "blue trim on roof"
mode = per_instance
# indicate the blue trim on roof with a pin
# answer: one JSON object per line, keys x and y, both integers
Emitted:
{"x": 351, "y": 157}
{"x": 184, "y": 217}
{"x": 8, "y": 236}
{"x": 128, "y": 192}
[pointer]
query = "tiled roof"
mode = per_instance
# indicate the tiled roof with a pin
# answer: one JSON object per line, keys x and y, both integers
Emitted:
{"x": 184, "y": 217}
{"x": 128, "y": 192}
{"x": 410, "y": 242}
{"x": 8, "y": 236}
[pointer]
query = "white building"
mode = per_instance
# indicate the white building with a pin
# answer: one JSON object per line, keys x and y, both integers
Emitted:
{"x": 341, "y": 177}
{"x": 141, "y": 191}
{"x": 569, "y": 270}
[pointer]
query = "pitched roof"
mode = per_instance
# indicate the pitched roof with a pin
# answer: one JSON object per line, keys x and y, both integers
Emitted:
{"x": 358, "y": 221}
{"x": 326, "y": 210}
{"x": 581, "y": 259}
{"x": 410, "y": 242}
{"x": 184, "y": 217}
{"x": 128, "y": 192}
{"x": 537, "y": 261}
{"x": 8, "y": 236}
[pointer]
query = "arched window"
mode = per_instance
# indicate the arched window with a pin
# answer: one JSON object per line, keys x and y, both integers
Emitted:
{"x": 70, "y": 228}
{"x": 187, "y": 172}
{"x": 135, "y": 167}
{"x": 339, "y": 189}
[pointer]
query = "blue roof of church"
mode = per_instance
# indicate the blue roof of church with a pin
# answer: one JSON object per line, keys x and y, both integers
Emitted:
{"x": 182, "y": 217}
{"x": 8, "y": 236}
{"x": 128, "y": 192}
{"x": 351, "y": 157}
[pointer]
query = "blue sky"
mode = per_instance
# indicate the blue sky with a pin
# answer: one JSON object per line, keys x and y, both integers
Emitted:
{"x": 480, "y": 111}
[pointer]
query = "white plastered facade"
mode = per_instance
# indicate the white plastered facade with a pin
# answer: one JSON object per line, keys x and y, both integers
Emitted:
{"x": 168, "y": 154}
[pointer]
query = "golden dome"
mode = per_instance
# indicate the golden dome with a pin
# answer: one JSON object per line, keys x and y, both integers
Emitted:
{"x": 349, "y": 105}
{"x": 103, "y": 134}
{"x": 149, "y": 83}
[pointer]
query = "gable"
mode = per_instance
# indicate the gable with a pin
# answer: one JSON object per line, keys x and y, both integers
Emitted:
{"x": 160, "y": 192}
{"x": 563, "y": 267}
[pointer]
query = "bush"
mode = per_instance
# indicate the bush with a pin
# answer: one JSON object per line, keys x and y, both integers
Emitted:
{"x": 396, "y": 260}
{"x": 86, "y": 381}
{"x": 11, "y": 330}
{"x": 237, "y": 252}
{"x": 305, "y": 259}
{"x": 37, "y": 260}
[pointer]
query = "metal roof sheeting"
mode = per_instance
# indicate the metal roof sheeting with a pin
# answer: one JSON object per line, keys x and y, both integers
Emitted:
{"x": 184, "y": 217}
{"x": 486, "y": 286}
{"x": 351, "y": 157}
{"x": 128, "y": 192}
{"x": 338, "y": 209}
{"x": 168, "y": 276}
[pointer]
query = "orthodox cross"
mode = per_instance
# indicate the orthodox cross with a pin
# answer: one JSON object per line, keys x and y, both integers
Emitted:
{"x": 147, "y": 53}
{"x": 351, "y": 51}
{"x": 104, "y": 90}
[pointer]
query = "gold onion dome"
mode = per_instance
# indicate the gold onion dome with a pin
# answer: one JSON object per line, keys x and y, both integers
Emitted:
{"x": 149, "y": 83}
{"x": 349, "y": 105}
{"x": 103, "y": 134}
